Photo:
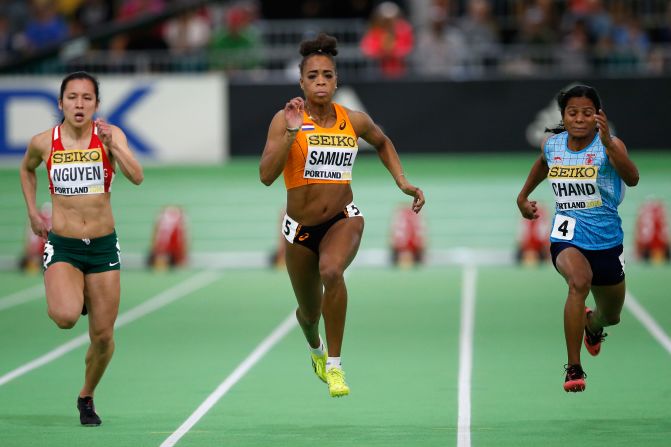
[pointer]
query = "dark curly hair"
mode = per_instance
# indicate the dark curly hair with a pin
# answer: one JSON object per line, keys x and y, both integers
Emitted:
{"x": 578, "y": 91}
{"x": 323, "y": 44}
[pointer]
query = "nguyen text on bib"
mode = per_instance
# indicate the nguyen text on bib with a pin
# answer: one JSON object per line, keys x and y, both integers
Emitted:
{"x": 78, "y": 172}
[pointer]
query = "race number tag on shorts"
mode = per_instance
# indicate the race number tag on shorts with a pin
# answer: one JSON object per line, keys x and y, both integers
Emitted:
{"x": 353, "y": 210}
{"x": 289, "y": 227}
{"x": 118, "y": 251}
{"x": 563, "y": 227}
{"x": 48, "y": 254}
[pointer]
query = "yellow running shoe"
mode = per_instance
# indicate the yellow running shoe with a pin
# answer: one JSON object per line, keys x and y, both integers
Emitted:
{"x": 335, "y": 377}
{"x": 319, "y": 365}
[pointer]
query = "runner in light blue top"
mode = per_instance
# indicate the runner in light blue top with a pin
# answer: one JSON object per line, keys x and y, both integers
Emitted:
{"x": 587, "y": 189}
{"x": 587, "y": 169}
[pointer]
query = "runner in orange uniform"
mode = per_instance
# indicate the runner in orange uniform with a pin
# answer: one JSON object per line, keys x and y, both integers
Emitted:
{"x": 314, "y": 143}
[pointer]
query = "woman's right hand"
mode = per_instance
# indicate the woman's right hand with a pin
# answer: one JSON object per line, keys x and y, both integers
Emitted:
{"x": 293, "y": 113}
{"x": 528, "y": 208}
{"x": 39, "y": 226}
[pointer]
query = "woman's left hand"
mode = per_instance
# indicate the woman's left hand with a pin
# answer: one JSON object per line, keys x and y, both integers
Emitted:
{"x": 104, "y": 132}
{"x": 415, "y": 192}
{"x": 604, "y": 130}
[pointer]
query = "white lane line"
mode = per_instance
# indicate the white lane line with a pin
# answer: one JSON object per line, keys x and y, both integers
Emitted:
{"x": 164, "y": 298}
{"x": 648, "y": 322}
{"x": 22, "y": 296}
{"x": 466, "y": 329}
{"x": 239, "y": 372}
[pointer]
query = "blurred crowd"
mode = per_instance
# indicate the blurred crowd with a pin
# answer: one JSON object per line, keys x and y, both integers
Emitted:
{"x": 456, "y": 38}
{"x": 224, "y": 28}
{"x": 464, "y": 37}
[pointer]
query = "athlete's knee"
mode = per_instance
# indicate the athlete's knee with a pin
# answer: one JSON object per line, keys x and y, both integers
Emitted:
{"x": 102, "y": 340}
{"x": 331, "y": 274}
{"x": 610, "y": 320}
{"x": 580, "y": 283}
{"x": 64, "y": 320}
{"x": 308, "y": 318}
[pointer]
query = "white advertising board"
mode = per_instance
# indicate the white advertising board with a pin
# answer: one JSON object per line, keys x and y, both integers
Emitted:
{"x": 172, "y": 119}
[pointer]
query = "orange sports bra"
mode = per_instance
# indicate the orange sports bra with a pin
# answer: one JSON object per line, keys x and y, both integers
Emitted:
{"x": 322, "y": 155}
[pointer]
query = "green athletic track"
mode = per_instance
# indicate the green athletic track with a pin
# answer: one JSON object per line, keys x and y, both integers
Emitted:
{"x": 401, "y": 351}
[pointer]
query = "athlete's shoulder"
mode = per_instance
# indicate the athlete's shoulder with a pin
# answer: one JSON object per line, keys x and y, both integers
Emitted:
{"x": 361, "y": 121}
{"x": 619, "y": 143}
{"x": 557, "y": 136}
{"x": 544, "y": 142}
{"x": 116, "y": 130}
{"x": 348, "y": 111}
{"x": 278, "y": 117}
{"x": 41, "y": 141}
{"x": 555, "y": 141}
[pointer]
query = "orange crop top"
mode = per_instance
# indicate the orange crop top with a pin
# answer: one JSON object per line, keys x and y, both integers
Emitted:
{"x": 322, "y": 155}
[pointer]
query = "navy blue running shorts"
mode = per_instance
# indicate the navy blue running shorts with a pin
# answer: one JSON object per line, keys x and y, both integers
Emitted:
{"x": 607, "y": 265}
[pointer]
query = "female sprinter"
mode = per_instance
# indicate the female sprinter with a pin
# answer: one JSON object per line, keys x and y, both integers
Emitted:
{"x": 586, "y": 167}
{"x": 81, "y": 254}
{"x": 313, "y": 141}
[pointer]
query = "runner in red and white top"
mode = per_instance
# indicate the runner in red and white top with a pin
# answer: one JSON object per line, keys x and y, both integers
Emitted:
{"x": 79, "y": 171}
{"x": 82, "y": 251}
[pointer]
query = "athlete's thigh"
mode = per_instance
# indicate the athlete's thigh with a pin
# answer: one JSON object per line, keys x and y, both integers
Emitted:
{"x": 103, "y": 295}
{"x": 341, "y": 242}
{"x": 303, "y": 268}
{"x": 64, "y": 286}
{"x": 610, "y": 299}
{"x": 573, "y": 265}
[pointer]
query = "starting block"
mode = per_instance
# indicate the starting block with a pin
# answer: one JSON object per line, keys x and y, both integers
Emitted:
{"x": 169, "y": 241}
{"x": 408, "y": 237}
{"x": 652, "y": 233}
{"x": 533, "y": 241}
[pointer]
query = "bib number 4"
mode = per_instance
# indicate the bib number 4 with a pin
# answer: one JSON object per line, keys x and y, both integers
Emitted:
{"x": 563, "y": 228}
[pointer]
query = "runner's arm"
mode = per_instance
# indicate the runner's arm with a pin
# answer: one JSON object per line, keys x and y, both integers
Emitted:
{"x": 372, "y": 134}
{"x": 31, "y": 160}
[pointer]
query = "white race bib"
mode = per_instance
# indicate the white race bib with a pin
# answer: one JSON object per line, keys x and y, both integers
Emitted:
{"x": 289, "y": 227}
{"x": 330, "y": 157}
{"x": 77, "y": 172}
{"x": 353, "y": 210}
{"x": 575, "y": 187}
{"x": 563, "y": 227}
{"x": 48, "y": 254}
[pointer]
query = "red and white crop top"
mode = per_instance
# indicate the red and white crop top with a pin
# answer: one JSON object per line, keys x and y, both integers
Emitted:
{"x": 79, "y": 171}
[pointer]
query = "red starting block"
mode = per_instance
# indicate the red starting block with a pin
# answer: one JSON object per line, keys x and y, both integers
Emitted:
{"x": 33, "y": 251}
{"x": 533, "y": 244}
{"x": 169, "y": 242}
{"x": 652, "y": 233}
{"x": 408, "y": 237}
